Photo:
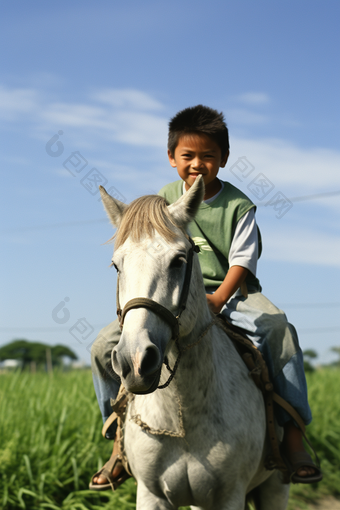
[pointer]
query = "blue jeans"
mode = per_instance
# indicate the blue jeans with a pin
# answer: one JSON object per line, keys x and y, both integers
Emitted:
{"x": 106, "y": 382}
{"x": 268, "y": 328}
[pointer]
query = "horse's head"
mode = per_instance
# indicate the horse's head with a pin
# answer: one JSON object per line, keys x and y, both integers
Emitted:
{"x": 151, "y": 257}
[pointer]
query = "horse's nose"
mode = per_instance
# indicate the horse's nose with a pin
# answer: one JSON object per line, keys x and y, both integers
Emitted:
{"x": 145, "y": 362}
{"x": 120, "y": 364}
{"x": 150, "y": 361}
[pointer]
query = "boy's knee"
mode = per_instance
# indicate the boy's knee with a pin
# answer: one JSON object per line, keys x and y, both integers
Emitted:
{"x": 286, "y": 333}
{"x": 106, "y": 340}
{"x": 98, "y": 346}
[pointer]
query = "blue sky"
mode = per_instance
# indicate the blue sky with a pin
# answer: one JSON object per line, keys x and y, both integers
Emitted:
{"x": 109, "y": 75}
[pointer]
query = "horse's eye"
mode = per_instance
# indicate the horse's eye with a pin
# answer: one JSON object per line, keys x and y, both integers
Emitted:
{"x": 114, "y": 265}
{"x": 178, "y": 262}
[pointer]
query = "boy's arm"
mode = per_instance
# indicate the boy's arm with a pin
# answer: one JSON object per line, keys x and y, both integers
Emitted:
{"x": 233, "y": 280}
{"x": 243, "y": 252}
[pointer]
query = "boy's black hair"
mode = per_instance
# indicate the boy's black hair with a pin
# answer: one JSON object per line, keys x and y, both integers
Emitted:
{"x": 199, "y": 119}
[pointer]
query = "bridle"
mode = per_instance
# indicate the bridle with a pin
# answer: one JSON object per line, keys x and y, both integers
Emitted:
{"x": 160, "y": 310}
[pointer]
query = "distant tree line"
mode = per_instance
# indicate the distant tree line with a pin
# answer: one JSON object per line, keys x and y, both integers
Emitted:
{"x": 40, "y": 354}
{"x": 310, "y": 354}
{"x": 37, "y": 353}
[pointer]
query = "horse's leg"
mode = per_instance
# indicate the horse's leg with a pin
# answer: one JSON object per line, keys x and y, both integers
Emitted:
{"x": 272, "y": 494}
{"x": 228, "y": 506}
{"x": 146, "y": 500}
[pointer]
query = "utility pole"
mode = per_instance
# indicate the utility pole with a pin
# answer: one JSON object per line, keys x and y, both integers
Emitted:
{"x": 49, "y": 361}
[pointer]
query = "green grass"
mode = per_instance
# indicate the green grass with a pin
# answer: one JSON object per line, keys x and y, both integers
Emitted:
{"x": 51, "y": 444}
{"x": 324, "y": 433}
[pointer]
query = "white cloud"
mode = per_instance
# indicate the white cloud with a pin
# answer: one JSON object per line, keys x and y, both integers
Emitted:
{"x": 141, "y": 129}
{"x": 132, "y": 127}
{"x": 127, "y": 99}
{"x": 133, "y": 117}
{"x": 127, "y": 116}
{"x": 297, "y": 170}
{"x": 296, "y": 244}
{"x": 79, "y": 115}
{"x": 241, "y": 116}
{"x": 254, "y": 98}
{"x": 17, "y": 102}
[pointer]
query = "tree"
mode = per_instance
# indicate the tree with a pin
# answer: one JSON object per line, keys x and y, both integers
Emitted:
{"x": 28, "y": 352}
{"x": 337, "y": 351}
{"x": 308, "y": 355}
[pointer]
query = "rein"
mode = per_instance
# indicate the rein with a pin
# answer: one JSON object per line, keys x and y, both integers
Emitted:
{"x": 164, "y": 313}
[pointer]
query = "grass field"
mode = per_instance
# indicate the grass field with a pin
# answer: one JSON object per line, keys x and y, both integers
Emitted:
{"x": 50, "y": 442}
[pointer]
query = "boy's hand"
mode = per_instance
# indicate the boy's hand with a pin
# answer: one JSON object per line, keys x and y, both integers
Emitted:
{"x": 214, "y": 303}
{"x": 234, "y": 278}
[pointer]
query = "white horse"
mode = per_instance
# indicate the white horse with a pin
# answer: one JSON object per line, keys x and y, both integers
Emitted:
{"x": 200, "y": 441}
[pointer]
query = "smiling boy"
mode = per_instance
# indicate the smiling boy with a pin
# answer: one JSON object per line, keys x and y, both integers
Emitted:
{"x": 225, "y": 228}
{"x": 197, "y": 154}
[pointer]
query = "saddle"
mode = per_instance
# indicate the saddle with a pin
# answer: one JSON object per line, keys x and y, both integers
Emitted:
{"x": 258, "y": 370}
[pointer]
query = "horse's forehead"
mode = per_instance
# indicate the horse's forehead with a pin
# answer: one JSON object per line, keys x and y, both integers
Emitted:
{"x": 155, "y": 247}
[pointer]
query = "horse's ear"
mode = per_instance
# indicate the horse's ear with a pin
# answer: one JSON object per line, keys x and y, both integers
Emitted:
{"x": 113, "y": 207}
{"x": 185, "y": 208}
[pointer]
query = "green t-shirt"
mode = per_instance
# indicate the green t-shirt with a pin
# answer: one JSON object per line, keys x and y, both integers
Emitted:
{"x": 213, "y": 230}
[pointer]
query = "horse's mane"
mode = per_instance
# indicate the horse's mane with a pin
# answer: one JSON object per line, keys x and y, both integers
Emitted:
{"x": 143, "y": 217}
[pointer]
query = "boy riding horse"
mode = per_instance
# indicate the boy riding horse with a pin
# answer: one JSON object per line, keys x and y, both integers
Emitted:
{"x": 225, "y": 229}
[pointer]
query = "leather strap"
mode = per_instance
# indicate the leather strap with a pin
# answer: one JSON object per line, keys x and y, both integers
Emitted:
{"x": 112, "y": 418}
{"x": 155, "y": 307}
{"x": 118, "y": 409}
{"x": 290, "y": 410}
{"x": 259, "y": 372}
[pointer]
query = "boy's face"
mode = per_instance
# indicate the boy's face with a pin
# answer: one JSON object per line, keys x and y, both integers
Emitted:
{"x": 197, "y": 154}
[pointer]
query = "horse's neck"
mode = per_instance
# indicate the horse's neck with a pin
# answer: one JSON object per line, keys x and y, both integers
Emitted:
{"x": 206, "y": 354}
{"x": 205, "y": 371}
